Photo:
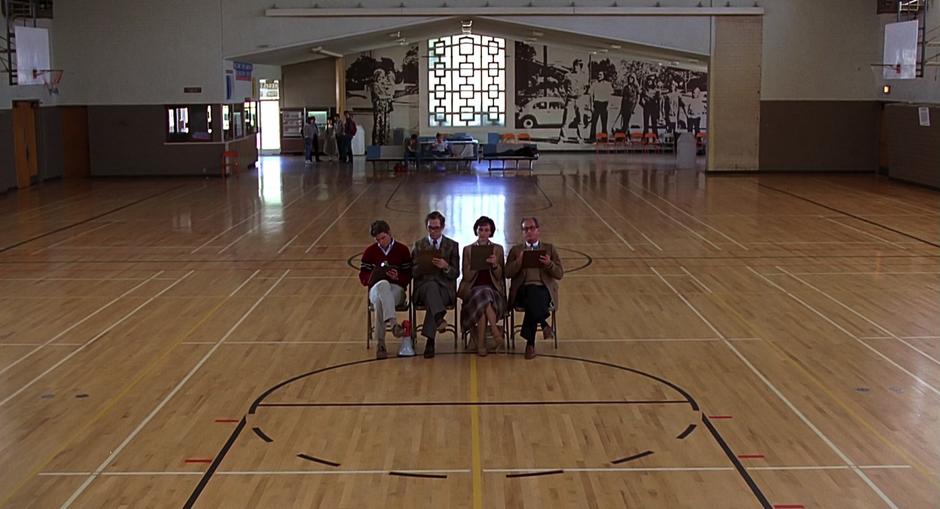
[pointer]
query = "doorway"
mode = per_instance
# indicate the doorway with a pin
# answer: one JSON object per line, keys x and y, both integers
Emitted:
{"x": 25, "y": 150}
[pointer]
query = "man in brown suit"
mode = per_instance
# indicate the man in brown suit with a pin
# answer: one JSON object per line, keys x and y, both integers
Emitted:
{"x": 534, "y": 289}
{"x": 436, "y": 289}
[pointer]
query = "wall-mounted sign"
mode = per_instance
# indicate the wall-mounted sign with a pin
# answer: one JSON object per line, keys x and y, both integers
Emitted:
{"x": 192, "y": 90}
{"x": 242, "y": 71}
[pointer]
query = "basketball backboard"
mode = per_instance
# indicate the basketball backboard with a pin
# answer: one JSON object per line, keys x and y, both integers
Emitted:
{"x": 32, "y": 55}
{"x": 900, "y": 51}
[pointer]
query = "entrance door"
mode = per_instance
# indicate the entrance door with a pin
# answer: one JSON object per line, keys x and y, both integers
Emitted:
{"x": 24, "y": 142}
{"x": 75, "y": 142}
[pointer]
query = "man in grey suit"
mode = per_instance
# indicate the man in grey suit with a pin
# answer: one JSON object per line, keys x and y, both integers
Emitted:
{"x": 534, "y": 289}
{"x": 435, "y": 288}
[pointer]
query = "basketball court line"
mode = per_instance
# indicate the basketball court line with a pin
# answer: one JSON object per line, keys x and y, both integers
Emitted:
{"x": 73, "y": 237}
{"x": 697, "y": 281}
{"x": 609, "y": 227}
{"x": 248, "y": 218}
{"x": 91, "y": 341}
{"x": 143, "y": 373}
{"x": 76, "y": 324}
{"x": 338, "y": 217}
{"x": 117, "y": 450}
{"x": 863, "y": 232}
{"x": 629, "y": 223}
{"x": 255, "y": 226}
{"x": 842, "y": 329}
{"x": 310, "y": 223}
{"x": 804, "y": 468}
{"x": 823, "y": 437}
{"x": 680, "y": 223}
{"x": 88, "y": 220}
{"x": 569, "y": 341}
{"x": 697, "y": 220}
{"x": 863, "y": 317}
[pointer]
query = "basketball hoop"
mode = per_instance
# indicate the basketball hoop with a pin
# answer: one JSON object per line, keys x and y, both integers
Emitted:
{"x": 50, "y": 78}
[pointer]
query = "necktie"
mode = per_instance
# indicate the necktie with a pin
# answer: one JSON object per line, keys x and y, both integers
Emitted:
{"x": 435, "y": 245}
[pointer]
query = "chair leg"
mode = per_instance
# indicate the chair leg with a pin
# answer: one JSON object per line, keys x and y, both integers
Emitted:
{"x": 555, "y": 329}
{"x": 368, "y": 328}
{"x": 512, "y": 328}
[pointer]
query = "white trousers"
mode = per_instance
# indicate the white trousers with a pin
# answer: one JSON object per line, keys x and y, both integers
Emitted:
{"x": 384, "y": 296}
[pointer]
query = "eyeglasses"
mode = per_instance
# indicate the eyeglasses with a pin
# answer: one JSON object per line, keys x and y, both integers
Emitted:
{"x": 527, "y": 228}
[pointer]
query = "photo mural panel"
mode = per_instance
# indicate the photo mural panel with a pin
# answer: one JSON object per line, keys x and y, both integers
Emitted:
{"x": 382, "y": 93}
{"x": 566, "y": 97}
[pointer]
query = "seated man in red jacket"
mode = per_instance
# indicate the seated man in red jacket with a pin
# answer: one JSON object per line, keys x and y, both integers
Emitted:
{"x": 385, "y": 269}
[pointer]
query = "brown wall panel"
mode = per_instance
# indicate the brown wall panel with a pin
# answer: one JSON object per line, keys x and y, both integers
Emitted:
{"x": 131, "y": 140}
{"x": 7, "y": 165}
{"x": 913, "y": 150}
{"x": 819, "y": 135}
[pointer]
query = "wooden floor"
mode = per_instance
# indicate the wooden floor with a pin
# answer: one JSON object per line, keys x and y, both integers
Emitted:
{"x": 725, "y": 342}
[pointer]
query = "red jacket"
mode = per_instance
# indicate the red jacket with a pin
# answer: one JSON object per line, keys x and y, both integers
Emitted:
{"x": 398, "y": 257}
{"x": 350, "y": 127}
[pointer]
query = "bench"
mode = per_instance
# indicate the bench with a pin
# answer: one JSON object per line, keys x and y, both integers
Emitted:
{"x": 385, "y": 153}
{"x": 461, "y": 150}
{"x": 505, "y": 152}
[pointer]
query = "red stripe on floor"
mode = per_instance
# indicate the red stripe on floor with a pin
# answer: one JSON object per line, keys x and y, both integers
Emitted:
{"x": 226, "y": 420}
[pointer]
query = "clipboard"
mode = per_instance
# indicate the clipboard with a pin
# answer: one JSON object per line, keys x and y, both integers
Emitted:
{"x": 478, "y": 256}
{"x": 530, "y": 259}
{"x": 379, "y": 273}
{"x": 424, "y": 258}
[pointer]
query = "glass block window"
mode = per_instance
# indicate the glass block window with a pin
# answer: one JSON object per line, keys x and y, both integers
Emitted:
{"x": 466, "y": 81}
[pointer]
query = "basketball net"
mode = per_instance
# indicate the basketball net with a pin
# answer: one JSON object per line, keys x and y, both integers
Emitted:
{"x": 50, "y": 78}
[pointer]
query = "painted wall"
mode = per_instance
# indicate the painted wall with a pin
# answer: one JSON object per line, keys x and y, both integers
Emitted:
{"x": 913, "y": 150}
{"x": 817, "y": 50}
{"x": 310, "y": 84}
{"x": 133, "y": 52}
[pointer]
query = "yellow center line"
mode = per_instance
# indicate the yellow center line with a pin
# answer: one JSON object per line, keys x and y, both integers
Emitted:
{"x": 476, "y": 465}
{"x": 116, "y": 398}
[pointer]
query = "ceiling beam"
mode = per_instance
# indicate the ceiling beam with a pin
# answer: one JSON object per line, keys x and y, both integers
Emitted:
{"x": 318, "y": 12}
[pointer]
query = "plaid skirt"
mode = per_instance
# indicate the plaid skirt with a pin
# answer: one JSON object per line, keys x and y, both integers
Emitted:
{"x": 473, "y": 307}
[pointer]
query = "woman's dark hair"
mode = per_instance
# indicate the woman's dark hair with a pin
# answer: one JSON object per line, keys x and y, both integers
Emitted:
{"x": 482, "y": 221}
{"x": 379, "y": 227}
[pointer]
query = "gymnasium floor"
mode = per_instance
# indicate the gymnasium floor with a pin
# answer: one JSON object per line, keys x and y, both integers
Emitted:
{"x": 725, "y": 342}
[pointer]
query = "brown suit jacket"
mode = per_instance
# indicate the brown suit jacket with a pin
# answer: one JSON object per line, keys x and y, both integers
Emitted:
{"x": 550, "y": 275}
{"x": 470, "y": 275}
{"x": 447, "y": 278}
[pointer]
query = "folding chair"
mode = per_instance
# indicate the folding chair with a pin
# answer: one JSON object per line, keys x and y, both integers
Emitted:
{"x": 404, "y": 307}
{"x": 513, "y": 327}
{"x": 453, "y": 327}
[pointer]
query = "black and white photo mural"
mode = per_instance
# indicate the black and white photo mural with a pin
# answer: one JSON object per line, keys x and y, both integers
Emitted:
{"x": 568, "y": 97}
{"x": 382, "y": 92}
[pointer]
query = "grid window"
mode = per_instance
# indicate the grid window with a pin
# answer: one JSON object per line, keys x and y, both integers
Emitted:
{"x": 467, "y": 81}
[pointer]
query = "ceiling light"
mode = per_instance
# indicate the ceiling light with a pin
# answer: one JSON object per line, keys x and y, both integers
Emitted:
{"x": 466, "y": 26}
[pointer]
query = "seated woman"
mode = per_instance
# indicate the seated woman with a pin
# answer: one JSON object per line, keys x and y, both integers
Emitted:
{"x": 483, "y": 291}
{"x": 411, "y": 150}
{"x": 440, "y": 147}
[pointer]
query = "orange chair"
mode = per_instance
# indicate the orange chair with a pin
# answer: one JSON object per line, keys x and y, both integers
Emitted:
{"x": 651, "y": 142}
{"x": 701, "y": 140}
{"x": 230, "y": 164}
{"x": 636, "y": 138}
{"x": 524, "y": 137}
{"x": 620, "y": 140}
{"x": 507, "y": 138}
{"x": 600, "y": 142}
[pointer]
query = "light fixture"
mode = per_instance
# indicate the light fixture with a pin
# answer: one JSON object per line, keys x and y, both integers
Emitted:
{"x": 466, "y": 26}
{"x": 886, "y": 90}
{"x": 321, "y": 51}
{"x": 614, "y": 46}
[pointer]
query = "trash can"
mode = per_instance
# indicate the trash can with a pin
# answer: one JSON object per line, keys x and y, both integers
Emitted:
{"x": 685, "y": 151}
